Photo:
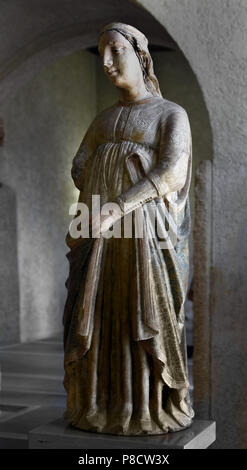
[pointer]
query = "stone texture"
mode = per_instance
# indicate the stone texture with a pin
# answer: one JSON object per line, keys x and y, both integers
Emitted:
{"x": 201, "y": 288}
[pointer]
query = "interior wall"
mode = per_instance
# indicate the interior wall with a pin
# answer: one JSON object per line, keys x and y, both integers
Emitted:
{"x": 44, "y": 124}
{"x": 9, "y": 278}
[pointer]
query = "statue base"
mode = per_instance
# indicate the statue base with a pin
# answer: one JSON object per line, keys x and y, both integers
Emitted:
{"x": 58, "y": 434}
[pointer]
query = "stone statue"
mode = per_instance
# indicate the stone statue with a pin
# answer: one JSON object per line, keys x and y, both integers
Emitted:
{"x": 124, "y": 333}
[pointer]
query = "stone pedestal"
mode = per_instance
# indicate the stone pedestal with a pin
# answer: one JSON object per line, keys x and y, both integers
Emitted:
{"x": 59, "y": 435}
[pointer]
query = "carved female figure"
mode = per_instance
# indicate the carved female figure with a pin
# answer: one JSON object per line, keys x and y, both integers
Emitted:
{"x": 124, "y": 336}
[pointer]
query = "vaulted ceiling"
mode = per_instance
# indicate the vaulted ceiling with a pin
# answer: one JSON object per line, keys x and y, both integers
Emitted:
{"x": 33, "y": 33}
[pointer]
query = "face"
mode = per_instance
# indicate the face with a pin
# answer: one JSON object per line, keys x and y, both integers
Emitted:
{"x": 120, "y": 61}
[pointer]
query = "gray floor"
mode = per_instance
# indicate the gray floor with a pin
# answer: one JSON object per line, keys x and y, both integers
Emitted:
{"x": 32, "y": 392}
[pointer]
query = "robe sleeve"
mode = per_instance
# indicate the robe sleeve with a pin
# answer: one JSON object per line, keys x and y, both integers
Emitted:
{"x": 170, "y": 173}
{"x": 82, "y": 155}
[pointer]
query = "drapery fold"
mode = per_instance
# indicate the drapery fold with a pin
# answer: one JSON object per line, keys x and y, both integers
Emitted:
{"x": 124, "y": 332}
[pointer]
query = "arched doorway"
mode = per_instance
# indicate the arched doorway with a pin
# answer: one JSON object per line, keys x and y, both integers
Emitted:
{"x": 178, "y": 83}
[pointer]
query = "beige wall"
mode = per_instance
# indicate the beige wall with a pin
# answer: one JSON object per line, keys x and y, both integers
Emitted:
{"x": 44, "y": 124}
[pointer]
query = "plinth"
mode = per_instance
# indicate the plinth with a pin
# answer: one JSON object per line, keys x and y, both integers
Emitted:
{"x": 58, "y": 434}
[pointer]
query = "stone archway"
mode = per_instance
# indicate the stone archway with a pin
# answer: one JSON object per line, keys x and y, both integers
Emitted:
{"x": 43, "y": 50}
{"x": 43, "y": 35}
{"x": 62, "y": 40}
{"x": 210, "y": 37}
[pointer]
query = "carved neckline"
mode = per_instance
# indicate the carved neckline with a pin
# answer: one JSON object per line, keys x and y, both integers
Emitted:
{"x": 133, "y": 103}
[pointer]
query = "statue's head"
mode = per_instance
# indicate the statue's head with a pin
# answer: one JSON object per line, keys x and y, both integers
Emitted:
{"x": 126, "y": 58}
